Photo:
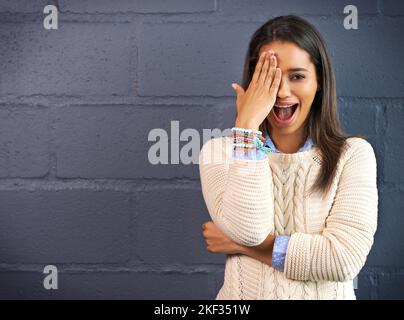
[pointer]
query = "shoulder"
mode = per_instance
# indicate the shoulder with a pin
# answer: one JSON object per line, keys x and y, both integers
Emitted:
{"x": 358, "y": 152}
{"x": 356, "y": 144}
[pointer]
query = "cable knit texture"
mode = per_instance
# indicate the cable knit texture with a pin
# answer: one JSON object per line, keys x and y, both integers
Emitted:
{"x": 330, "y": 237}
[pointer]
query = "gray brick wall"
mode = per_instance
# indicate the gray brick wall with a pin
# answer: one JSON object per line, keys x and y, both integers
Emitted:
{"x": 76, "y": 107}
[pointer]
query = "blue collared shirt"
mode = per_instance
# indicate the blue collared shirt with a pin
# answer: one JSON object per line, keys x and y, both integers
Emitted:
{"x": 259, "y": 154}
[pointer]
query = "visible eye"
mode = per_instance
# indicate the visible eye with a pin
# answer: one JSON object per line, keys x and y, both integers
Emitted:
{"x": 297, "y": 77}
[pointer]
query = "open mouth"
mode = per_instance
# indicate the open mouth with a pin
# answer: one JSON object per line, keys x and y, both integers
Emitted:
{"x": 284, "y": 114}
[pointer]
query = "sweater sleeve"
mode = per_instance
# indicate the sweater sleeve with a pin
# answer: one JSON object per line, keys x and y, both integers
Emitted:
{"x": 238, "y": 192}
{"x": 339, "y": 253}
{"x": 252, "y": 155}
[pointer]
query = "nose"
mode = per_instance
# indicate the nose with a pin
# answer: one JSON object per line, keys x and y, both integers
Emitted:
{"x": 284, "y": 89}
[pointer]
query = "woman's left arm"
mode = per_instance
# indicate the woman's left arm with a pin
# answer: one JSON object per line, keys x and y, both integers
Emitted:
{"x": 340, "y": 251}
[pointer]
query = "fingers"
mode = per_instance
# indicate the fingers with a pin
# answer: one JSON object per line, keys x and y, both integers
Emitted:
{"x": 273, "y": 90}
{"x": 264, "y": 69}
{"x": 205, "y": 225}
{"x": 239, "y": 94}
{"x": 271, "y": 73}
{"x": 258, "y": 67}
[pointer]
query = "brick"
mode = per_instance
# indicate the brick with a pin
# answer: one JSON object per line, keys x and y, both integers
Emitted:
{"x": 24, "y": 142}
{"x": 169, "y": 230}
{"x": 362, "y": 117}
{"x": 171, "y": 285}
{"x": 366, "y": 286}
{"x": 23, "y": 285}
{"x": 360, "y": 59}
{"x": 278, "y": 7}
{"x": 393, "y": 7}
{"x": 112, "y": 141}
{"x": 394, "y": 144}
{"x": 191, "y": 65}
{"x": 24, "y": 6}
{"x": 108, "y": 285}
{"x": 388, "y": 234}
{"x": 391, "y": 286}
{"x": 138, "y": 6}
{"x": 359, "y": 117}
{"x": 76, "y": 59}
{"x": 64, "y": 226}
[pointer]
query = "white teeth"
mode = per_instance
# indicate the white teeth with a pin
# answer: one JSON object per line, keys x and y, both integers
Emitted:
{"x": 284, "y": 106}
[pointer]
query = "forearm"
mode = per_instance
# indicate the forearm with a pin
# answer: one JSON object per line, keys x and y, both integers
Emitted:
{"x": 262, "y": 252}
{"x": 238, "y": 194}
{"x": 248, "y": 201}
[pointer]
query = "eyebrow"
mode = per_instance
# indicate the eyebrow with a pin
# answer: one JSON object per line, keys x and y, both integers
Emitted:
{"x": 297, "y": 69}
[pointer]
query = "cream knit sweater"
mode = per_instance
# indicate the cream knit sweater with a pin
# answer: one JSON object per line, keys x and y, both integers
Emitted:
{"x": 330, "y": 237}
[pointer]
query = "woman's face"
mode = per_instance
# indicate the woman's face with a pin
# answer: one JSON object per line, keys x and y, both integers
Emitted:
{"x": 298, "y": 86}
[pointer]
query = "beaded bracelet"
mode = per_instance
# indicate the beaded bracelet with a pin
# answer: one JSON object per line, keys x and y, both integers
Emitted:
{"x": 261, "y": 146}
{"x": 252, "y": 139}
{"x": 243, "y": 130}
{"x": 244, "y": 145}
{"x": 245, "y": 141}
{"x": 249, "y": 139}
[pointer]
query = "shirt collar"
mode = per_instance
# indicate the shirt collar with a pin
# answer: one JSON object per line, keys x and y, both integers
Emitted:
{"x": 307, "y": 145}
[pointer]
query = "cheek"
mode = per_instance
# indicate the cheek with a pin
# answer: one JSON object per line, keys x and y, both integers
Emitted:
{"x": 306, "y": 93}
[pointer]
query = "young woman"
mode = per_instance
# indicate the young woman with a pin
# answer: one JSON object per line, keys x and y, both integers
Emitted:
{"x": 293, "y": 199}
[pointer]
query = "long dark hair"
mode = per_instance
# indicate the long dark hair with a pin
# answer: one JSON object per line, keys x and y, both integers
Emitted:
{"x": 322, "y": 122}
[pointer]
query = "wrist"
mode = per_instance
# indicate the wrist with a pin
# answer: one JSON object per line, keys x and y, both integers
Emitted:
{"x": 243, "y": 250}
{"x": 245, "y": 124}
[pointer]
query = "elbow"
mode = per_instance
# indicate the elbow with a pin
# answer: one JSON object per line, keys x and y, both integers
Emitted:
{"x": 249, "y": 235}
{"x": 251, "y": 239}
{"x": 354, "y": 263}
{"x": 349, "y": 270}
{"x": 348, "y": 273}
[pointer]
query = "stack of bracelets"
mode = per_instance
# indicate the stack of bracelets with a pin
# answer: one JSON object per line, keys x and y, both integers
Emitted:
{"x": 248, "y": 139}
